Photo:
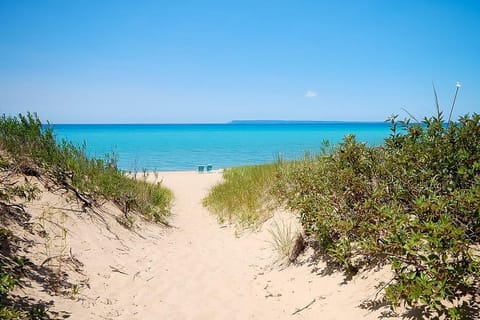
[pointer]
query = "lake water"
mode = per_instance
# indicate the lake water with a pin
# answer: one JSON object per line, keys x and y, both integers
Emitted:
{"x": 185, "y": 146}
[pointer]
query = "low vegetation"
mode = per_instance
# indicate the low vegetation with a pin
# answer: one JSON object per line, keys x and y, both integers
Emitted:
{"x": 244, "y": 195}
{"x": 33, "y": 151}
{"x": 13, "y": 266}
{"x": 412, "y": 204}
{"x": 29, "y": 149}
{"x": 282, "y": 238}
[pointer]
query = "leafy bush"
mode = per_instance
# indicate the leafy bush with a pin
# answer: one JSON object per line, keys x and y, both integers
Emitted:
{"x": 413, "y": 203}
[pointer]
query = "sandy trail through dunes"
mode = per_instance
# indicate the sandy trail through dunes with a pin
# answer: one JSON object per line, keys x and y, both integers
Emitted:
{"x": 202, "y": 271}
{"x": 196, "y": 269}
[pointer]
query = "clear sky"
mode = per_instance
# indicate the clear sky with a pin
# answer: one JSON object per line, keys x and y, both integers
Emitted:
{"x": 214, "y": 61}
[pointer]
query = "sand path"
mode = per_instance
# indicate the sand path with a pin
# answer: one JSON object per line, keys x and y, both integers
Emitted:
{"x": 206, "y": 272}
{"x": 201, "y": 265}
{"x": 199, "y": 269}
{"x": 202, "y": 271}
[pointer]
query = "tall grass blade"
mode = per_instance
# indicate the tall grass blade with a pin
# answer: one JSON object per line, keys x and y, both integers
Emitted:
{"x": 453, "y": 104}
{"x": 411, "y": 115}
{"x": 437, "y": 104}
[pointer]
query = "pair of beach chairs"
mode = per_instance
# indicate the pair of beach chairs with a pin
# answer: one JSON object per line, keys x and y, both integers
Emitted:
{"x": 202, "y": 168}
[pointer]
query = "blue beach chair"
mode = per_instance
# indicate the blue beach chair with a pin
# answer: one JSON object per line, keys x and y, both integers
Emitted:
{"x": 209, "y": 168}
{"x": 201, "y": 168}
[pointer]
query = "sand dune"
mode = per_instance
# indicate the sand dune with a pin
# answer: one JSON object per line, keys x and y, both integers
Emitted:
{"x": 195, "y": 270}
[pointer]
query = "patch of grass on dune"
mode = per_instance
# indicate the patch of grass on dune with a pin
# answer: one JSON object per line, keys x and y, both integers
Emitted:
{"x": 33, "y": 150}
{"x": 244, "y": 196}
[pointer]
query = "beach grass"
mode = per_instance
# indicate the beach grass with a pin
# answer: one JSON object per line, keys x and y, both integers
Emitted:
{"x": 244, "y": 196}
{"x": 282, "y": 238}
{"x": 33, "y": 150}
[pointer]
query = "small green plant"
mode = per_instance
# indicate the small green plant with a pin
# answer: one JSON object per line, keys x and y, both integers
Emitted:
{"x": 74, "y": 291}
{"x": 127, "y": 221}
{"x": 11, "y": 313}
{"x": 7, "y": 282}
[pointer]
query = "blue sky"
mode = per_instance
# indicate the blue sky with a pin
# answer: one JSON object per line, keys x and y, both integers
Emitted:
{"x": 215, "y": 61}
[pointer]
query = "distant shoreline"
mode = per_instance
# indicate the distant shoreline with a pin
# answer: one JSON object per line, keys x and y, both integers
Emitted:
{"x": 299, "y": 122}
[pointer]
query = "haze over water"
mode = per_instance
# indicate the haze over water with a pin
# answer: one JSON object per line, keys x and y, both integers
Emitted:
{"x": 172, "y": 147}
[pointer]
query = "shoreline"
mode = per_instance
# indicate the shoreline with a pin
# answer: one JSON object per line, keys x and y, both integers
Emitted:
{"x": 171, "y": 172}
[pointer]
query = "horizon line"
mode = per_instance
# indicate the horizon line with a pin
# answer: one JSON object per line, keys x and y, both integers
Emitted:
{"x": 262, "y": 121}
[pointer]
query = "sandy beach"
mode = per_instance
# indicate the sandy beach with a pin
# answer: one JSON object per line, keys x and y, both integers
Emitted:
{"x": 197, "y": 269}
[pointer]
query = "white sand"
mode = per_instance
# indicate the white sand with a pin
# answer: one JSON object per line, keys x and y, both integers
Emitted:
{"x": 195, "y": 270}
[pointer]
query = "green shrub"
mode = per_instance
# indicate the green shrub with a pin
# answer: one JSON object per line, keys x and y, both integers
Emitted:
{"x": 7, "y": 282}
{"x": 413, "y": 203}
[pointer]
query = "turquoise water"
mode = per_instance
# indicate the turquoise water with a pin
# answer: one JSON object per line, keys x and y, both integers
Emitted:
{"x": 185, "y": 146}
